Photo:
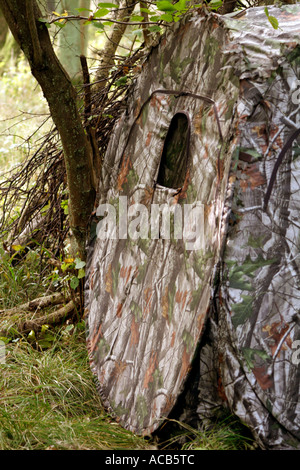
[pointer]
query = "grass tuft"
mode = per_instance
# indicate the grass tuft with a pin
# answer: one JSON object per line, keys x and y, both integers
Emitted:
{"x": 49, "y": 401}
{"x": 225, "y": 434}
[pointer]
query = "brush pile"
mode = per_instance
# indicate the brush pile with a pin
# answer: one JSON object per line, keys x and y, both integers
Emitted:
{"x": 38, "y": 188}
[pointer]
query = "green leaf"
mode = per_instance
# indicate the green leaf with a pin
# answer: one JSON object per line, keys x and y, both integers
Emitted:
{"x": 122, "y": 80}
{"x": 145, "y": 10}
{"x": 60, "y": 25}
{"x": 98, "y": 25}
{"x": 136, "y": 18}
{"x": 43, "y": 20}
{"x": 69, "y": 328}
{"x": 250, "y": 266}
{"x": 45, "y": 328}
{"x": 249, "y": 357}
{"x": 167, "y": 17}
{"x": 180, "y": 5}
{"x": 79, "y": 264}
{"x": 262, "y": 354}
{"x": 100, "y": 13}
{"x": 46, "y": 342}
{"x": 215, "y": 4}
{"x": 45, "y": 208}
{"x": 273, "y": 21}
{"x": 154, "y": 29}
{"x": 165, "y": 5}
{"x": 65, "y": 206}
{"x": 66, "y": 265}
{"x": 81, "y": 325}
{"x": 74, "y": 282}
{"x": 81, "y": 273}
{"x": 17, "y": 247}
{"x": 4, "y": 339}
{"x": 31, "y": 335}
{"x": 237, "y": 273}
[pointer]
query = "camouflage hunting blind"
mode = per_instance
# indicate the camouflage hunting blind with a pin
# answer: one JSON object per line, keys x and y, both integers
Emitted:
{"x": 211, "y": 122}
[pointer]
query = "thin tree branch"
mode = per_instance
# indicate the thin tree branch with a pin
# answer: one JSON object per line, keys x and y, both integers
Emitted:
{"x": 91, "y": 18}
{"x": 50, "y": 319}
{"x": 41, "y": 302}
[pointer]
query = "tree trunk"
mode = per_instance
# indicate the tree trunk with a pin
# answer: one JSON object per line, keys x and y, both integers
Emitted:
{"x": 33, "y": 37}
{"x": 3, "y": 31}
{"x": 112, "y": 42}
{"x": 73, "y": 39}
{"x": 227, "y": 7}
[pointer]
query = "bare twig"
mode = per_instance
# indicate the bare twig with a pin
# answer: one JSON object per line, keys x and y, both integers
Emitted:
{"x": 38, "y": 186}
{"x": 110, "y": 20}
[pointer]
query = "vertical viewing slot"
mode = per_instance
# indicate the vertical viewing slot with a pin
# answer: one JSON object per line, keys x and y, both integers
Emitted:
{"x": 173, "y": 164}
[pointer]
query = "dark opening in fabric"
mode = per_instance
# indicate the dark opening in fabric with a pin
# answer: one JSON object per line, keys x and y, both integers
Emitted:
{"x": 173, "y": 164}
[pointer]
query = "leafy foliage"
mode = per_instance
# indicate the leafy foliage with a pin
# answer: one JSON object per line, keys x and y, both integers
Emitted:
{"x": 160, "y": 13}
{"x": 273, "y": 21}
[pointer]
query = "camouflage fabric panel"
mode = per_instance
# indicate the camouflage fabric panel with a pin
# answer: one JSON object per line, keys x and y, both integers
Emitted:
{"x": 147, "y": 299}
{"x": 259, "y": 295}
